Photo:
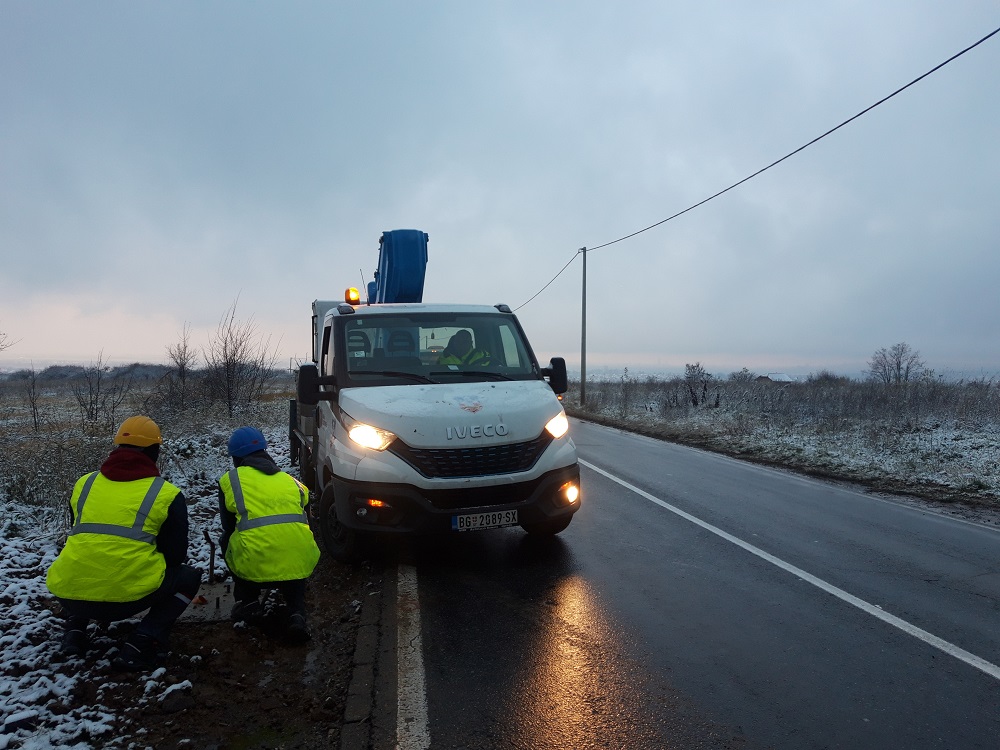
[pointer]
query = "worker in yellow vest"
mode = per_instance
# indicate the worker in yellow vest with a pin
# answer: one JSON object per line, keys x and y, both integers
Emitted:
{"x": 266, "y": 538}
{"x": 461, "y": 351}
{"x": 126, "y": 550}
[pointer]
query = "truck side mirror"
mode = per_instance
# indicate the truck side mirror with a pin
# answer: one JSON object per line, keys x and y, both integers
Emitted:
{"x": 308, "y": 386}
{"x": 556, "y": 374}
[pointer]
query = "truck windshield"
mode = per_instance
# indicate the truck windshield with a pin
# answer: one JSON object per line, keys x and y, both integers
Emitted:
{"x": 400, "y": 348}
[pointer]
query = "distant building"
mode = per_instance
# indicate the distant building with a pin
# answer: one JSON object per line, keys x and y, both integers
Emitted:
{"x": 776, "y": 377}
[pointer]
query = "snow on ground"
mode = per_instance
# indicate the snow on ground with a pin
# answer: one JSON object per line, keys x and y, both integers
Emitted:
{"x": 37, "y": 686}
{"x": 955, "y": 461}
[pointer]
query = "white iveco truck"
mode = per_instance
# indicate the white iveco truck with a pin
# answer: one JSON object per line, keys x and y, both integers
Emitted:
{"x": 400, "y": 426}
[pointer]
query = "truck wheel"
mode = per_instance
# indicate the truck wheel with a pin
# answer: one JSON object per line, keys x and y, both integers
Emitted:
{"x": 547, "y": 528}
{"x": 342, "y": 543}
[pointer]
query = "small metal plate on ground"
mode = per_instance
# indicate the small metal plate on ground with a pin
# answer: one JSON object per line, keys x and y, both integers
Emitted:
{"x": 213, "y": 603}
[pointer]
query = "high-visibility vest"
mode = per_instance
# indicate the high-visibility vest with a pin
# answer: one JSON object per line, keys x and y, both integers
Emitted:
{"x": 471, "y": 357}
{"x": 110, "y": 553}
{"x": 272, "y": 540}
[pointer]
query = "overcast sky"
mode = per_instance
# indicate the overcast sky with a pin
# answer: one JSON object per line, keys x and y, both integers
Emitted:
{"x": 160, "y": 160}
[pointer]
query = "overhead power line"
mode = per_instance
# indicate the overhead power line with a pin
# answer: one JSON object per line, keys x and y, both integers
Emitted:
{"x": 550, "y": 280}
{"x": 764, "y": 169}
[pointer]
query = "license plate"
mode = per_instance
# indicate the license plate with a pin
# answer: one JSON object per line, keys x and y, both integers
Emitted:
{"x": 475, "y": 521}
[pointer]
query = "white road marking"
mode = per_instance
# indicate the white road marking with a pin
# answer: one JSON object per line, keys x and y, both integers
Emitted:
{"x": 412, "y": 732}
{"x": 929, "y": 638}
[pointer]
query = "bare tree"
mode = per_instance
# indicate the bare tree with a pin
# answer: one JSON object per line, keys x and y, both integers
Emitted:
{"x": 118, "y": 391}
{"x": 88, "y": 392}
{"x": 696, "y": 380}
{"x": 184, "y": 356}
{"x": 101, "y": 393}
{"x": 625, "y": 393}
{"x": 5, "y": 342}
{"x": 239, "y": 365}
{"x": 32, "y": 396}
{"x": 897, "y": 364}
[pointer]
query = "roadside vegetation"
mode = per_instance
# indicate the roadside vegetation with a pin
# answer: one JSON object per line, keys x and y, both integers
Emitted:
{"x": 902, "y": 429}
{"x": 57, "y": 424}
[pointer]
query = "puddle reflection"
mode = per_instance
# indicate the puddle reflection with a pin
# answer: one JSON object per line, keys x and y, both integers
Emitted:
{"x": 573, "y": 693}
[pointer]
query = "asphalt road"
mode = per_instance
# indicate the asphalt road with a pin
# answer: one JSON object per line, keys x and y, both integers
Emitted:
{"x": 697, "y": 601}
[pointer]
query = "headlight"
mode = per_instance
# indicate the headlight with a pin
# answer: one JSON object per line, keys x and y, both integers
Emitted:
{"x": 558, "y": 425}
{"x": 370, "y": 437}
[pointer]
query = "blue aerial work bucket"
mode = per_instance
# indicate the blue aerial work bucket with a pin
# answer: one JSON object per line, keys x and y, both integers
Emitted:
{"x": 402, "y": 265}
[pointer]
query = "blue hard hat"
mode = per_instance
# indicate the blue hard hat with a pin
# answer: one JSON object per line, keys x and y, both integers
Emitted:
{"x": 246, "y": 440}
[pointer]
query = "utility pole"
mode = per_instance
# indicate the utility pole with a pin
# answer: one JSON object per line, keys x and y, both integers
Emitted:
{"x": 583, "y": 333}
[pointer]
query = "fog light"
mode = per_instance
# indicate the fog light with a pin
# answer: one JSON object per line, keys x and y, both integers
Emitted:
{"x": 570, "y": 492}
{"x": 362, "y": 512}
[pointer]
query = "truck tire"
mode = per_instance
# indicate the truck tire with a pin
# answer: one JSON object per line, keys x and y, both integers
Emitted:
{"x": 547, "y": 528}
{"x": 342, "y": 544}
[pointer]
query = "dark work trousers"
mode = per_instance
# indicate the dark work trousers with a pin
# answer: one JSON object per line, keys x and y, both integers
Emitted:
{"x": 165, "y": 605}
{"x": 293, "y": 592}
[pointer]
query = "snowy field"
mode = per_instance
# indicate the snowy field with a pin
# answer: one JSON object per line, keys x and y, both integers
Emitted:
{"x": 936, "y": 442}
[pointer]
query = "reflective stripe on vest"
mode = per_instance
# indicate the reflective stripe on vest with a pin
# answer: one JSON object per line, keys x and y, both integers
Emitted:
{"x": 244, "y": 523}
{"x": 134, "y": 532}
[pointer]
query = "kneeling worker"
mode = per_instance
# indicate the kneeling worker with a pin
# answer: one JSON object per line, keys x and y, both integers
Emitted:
{"x": 126, "y": 550}
{"x": 266, "y": 537}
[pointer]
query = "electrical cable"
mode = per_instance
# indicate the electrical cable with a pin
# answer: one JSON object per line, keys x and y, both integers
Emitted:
{"x": 772, "y": 164}
{"x": 550, "y": 281}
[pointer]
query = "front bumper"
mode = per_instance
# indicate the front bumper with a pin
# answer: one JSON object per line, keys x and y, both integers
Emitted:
{"x": 404, "y": 508}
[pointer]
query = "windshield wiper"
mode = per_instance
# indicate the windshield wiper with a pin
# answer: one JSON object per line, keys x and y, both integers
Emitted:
{"x": 396, "y": 374}
{"x": 488, "y": 374}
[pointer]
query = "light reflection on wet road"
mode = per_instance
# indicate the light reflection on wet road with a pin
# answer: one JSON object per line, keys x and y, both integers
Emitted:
{"x": 520, "y": 654}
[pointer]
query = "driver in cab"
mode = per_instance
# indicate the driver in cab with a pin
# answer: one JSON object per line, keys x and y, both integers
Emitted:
{"x": 460, "y": 351}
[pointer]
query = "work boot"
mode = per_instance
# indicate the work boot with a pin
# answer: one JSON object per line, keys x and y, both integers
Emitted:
{"x": 297, "y": 631}
{"x": 74, "y": 642}
{"x": 248, "y": 611}
{"x": 141, "y": 652}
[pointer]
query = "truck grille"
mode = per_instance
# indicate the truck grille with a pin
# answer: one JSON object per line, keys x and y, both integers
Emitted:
{"x": 484, "y": 497}
{"x": 486, "y": 460}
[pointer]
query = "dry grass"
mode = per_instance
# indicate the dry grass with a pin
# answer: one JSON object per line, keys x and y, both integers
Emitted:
{"x": 40, "y": 463}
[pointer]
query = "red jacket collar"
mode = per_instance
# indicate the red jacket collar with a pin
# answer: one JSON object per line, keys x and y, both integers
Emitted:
{"x": 127, "y": 464}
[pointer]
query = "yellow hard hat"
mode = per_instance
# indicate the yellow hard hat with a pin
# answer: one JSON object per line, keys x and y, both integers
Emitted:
{"x": 139, "y": 431}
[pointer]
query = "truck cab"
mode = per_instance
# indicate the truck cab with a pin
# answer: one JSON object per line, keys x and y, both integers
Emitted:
{"x": 430, "y": 418}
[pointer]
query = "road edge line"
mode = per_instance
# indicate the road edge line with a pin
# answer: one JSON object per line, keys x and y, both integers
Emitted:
{"x": 412, "y": 731}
